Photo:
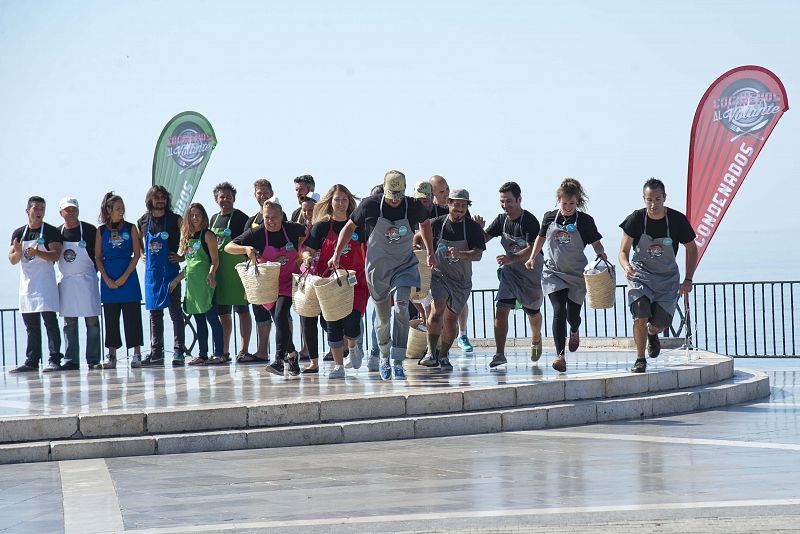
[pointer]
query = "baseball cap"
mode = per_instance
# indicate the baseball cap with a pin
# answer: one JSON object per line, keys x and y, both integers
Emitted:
{"x": 394, "y": 185}
{"x": 459, "y": 194}
{"x": 423, "y": 189}
{"x": 66, "y": 202}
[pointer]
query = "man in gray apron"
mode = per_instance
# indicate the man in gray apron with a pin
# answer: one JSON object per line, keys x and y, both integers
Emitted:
{"x": 653, "y": 276}
{"x": 78, "y": 287}
{"x": 459, "y": 241}
{"x": 391, "y": 266}
{"x": 519, "y": 287}
{"x": 36, "y": 247}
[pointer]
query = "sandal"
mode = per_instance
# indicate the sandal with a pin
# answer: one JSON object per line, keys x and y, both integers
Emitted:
{"x": 311, "y": 370}
{"x": 219, "y": 360}
{"x": 245, "y": 357}
{"x": 198, "y": 361}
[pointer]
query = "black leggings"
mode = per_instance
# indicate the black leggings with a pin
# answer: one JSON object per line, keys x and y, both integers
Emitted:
{"x": 311, "y": 335}
{"x": 350, "y": 326}
{"x": 281, "y": 316}
{"x": 564, "y": 311}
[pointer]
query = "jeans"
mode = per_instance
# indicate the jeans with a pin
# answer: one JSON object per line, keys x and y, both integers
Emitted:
{"x": 396, "y": 345}
{"x": 73, "y": 347}
{"x": 33, "y": 326}
{"x": 203, "y": 320}
{"x": 157, "y": 327}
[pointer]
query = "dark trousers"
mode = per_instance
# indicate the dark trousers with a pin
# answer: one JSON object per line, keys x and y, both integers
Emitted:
{"x": 72, "y": 345}
{"x": 349, "y": 327}
{"x": 33, "y": 326}
{"x": 132, "y": 317}
{"x": 157, "y": 326}
{"x": 564, "y": 311}
{"x": 203, "y": 321}
{"x": 281, "y": 316}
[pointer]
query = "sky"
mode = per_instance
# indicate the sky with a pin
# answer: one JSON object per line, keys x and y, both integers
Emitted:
{"x": 479, "y": 92}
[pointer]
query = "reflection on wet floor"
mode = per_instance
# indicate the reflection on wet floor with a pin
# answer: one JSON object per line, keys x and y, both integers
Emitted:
{"x": 127, "y": 389}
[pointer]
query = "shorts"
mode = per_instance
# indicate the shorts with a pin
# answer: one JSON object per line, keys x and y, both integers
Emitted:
{"x": 225, "y": 309}
{"x": 261, "y": 314}
{"x": 512, "y": 305}
{"x": 642, "y": 308}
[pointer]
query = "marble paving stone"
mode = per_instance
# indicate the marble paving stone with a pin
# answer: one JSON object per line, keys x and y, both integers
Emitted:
{"x": 488, "y": 398}
{"x": 688, "y": 377}
{"x": 573, "y": 414}
{"x": 36, "y": 451}
{"x": 192, "y": 420}
{"x": 457, "y": 424}
{"x": 111, "y": 424}
{"x": 16, "y": 429}
{"x": 386, "y": 430}
{"x": 210, "y": 441}
{"x": 540, "y": 393}
{"x": 629, "y": 384}
{"x": 101, "y": 448}
{"x": 294, "y": 436}
{"x": 275, "y": 414}
{"x": 524, "y": 419}
{"x": 348, "y": 409}
{"x": 662, "y": 380}
{"x": 585, "y": 388}
{"x": 438, "y": 402}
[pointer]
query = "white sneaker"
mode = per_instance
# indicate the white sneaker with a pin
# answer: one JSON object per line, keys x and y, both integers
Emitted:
{"x": 355, "y": 358}
{"x": 337, "y": 372}
{"x": 136, "y": 361}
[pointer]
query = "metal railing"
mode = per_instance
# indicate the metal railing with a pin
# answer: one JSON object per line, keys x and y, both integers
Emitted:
{"x": 733, "y": 318}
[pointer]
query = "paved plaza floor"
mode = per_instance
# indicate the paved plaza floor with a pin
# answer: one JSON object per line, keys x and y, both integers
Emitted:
{"x": 726, "y": 470}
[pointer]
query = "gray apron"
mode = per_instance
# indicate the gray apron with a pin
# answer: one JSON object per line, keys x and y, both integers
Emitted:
{"x": 451, "y": 279}
{"x": 516, "y": 281}
{"x": 657, "y": 276}
{"x": 565, "y": 262}
{"x": 391, "y": 262}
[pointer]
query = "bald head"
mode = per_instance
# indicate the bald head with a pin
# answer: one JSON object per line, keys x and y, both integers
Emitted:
{"x": 440, "y": 189}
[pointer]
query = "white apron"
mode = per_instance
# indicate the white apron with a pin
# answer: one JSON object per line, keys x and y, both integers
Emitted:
{"x": 78, "y": 288}
{"x": 38, "y": 291}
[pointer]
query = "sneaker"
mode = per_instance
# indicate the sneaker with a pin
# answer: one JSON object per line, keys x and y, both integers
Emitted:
{"x": 337, "y": 372}
{"x": 373, "y": 364}
{"x": 574, "y": 341}
{"x": 444, "y": 364}
{"x": 109, "y": 363}
{"x": 293, "y": 367}
{"x": 498, "y": 360}
{"x": 385, "y": 369}
{"x": 26, "y": 367}
{"x": 463, "y": 342}
{"x": 276, "y": 367}
{"x": 640, "y": 366}
{"x": 51, "y": 367}
{"x": 653, "y": 345}
{"x": 399, "y": 372}
{"x": 429, "y": 361}
{"x": 178, "y": 360}
{"x": 136, "y": 361}
{"x": 70, "y": 366}
{"x": 153, "y": 360}
{"x": 560, "y": 363}
{"x": 355, "y": 358}
{"x": 536, "y": 350}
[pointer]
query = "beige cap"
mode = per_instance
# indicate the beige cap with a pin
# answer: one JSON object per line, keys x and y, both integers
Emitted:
{"x": 423, "y": 189}
{"x": 394, "y": 185}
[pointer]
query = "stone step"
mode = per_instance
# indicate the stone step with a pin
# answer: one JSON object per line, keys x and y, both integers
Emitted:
{"x": 744, "y": 386}
{"x": 707, "y": 369}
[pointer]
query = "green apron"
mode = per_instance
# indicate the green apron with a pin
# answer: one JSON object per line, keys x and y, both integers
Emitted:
{"x": 229, "y": 286}
{"x": 198, "y": 292}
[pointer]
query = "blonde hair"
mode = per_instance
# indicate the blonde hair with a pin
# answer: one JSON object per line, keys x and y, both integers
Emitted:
{"x": 270, "y": 205}
{"x": 186, "y": 225}
{"x": 323, "y": 211}
{"x": 570, "y": 187}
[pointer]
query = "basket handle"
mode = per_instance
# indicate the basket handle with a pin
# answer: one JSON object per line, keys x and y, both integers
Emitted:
{"x": 609, "y": 266}
{"x": 338, "y": 278}
{"x": 247, "y": 266}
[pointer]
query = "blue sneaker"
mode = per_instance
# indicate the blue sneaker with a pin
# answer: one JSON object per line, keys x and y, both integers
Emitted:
{"x": 385, "y": 369}
{"x": 399, "y": 372}
{"x": 463, "y": 342}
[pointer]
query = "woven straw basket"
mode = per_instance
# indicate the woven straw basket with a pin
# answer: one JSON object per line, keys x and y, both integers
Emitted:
{"x": 600, "y": 285}
{"x": 260, "y": 281}
{"x": 304, "y": 295}
{"x": 424, "y": 275}
{"x": 417, "y": 339}
{"x": 335, "y": 295}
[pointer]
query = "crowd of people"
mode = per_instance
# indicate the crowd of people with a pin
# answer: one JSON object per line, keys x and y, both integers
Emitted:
{"x": 190, "y": 260}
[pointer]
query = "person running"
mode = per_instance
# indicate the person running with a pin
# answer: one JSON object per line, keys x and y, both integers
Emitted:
{"x": 228, "y": 224}
{"x": 160, "y": 229}
{"x": 330, "y": 217}
{"x": 79, "y": 292}
{"x": 262, "y": 191}
{"x": 199, "y": 246}
{"x": 441, "y": 192}
{"x": 459, "y": 242}
{"x": 517, "y": 229}
{"x": 309, "y": 333}
{"x": 117, "y": 249}
{"x": 391, "y": 266}
{"x": 276, "y": 241}
{"x": 654, "y": 285}
{"x": 564, "y": 234}
{"x": 36, "y": 247}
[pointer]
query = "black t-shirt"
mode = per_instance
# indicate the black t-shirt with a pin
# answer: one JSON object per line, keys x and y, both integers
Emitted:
{"x": 680, "y": 229}
{"x": 443, "y": 228}
{"x": 586, "y": 226}
{"x": 74, "y": 235}
{"x": 173, "y": 228}
{"x": 438, "y": 211}
{"x": 367, "y": 213}
{"x": 297, "y": 216}
{"x": 258, "y": 219}
{"x": 49, "y": 232}
{"x": 319, "y": 231}
{"x": 526, "y": 227}
{"x": 254, "y": 237}
{"x": 237, "y": 218}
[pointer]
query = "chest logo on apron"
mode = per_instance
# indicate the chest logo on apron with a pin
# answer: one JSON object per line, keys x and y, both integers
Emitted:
{"x": 564, "y": 238}
{"x": 345, "y": 250}
{"x": 393, "y": 234}
{"x": 70, "y": 255}
{"x": 155, "y": 246}
{"x": 27, "y": 256}
{"x": 282, "y": 260}
{"x": 655, "y": 251}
